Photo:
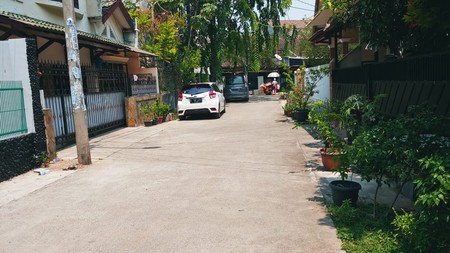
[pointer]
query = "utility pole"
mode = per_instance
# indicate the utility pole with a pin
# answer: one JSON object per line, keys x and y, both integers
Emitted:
{"x": 76, "y": 85}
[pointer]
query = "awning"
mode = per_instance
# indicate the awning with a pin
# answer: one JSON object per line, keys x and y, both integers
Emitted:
{"x": 321, "y": 19}
{"x": 321, "y": 36}
{"x": 140, "y": 51}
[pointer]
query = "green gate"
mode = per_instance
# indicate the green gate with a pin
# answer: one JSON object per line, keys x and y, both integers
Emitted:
{"x": 12, "y": 110}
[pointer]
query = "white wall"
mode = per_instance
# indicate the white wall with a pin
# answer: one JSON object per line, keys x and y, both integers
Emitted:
{"x": 14, "y": 67}
{"x": 323, "y": 86}
{"x": 50, "y": 11}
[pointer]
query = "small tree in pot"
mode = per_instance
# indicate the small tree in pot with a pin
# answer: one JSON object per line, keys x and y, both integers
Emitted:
{"x": 328, "y": 127}
{"x": 391, "y": 150}
{"x": 147, "y": 114}
{"x": 300, "y": 97}
{"x": 160, "y": 110}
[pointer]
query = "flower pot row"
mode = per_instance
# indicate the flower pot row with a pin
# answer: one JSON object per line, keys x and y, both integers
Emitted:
{"x": 158, "y": 120}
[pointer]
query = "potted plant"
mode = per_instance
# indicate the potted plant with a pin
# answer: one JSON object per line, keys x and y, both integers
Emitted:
{"x": 298, "y": 100}
{"x": 288, "y": 107}
{"x": 329, "y": 122}
{"x": 309, "y": 78}
{"x": 390, "y": 150}
{"x": 300, "y": 103}
{"x": 343, "y": 189}
{"x": 147, "y": 114}
{"x": 160, "y": 110}
{"x": 356, "y": 116}
{"x": 337, "y": 123}
{"x": 328, "y": 127}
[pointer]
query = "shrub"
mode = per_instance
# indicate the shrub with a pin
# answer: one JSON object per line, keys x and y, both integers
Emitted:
{"x": 428, "y": 229}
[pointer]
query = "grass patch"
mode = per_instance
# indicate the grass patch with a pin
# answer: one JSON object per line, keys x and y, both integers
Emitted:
{"x": 361, "y": 232}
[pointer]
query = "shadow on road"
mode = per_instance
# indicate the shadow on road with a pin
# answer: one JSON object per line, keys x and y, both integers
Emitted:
{"x": 201, "y": 117}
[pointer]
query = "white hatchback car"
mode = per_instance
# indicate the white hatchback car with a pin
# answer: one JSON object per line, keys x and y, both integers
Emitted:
{"x": 200, "y": 98}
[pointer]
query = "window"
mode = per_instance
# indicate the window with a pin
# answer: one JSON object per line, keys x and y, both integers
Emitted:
{"x": 196, "y": 89}
{"x": 75, "y": 3}
{"x": 236, "y": 80}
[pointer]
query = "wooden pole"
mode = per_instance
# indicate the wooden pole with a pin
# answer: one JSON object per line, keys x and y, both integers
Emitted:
{"x": 76, "y": 84}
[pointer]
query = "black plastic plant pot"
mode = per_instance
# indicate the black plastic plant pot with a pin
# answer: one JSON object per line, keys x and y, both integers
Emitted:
{"x": 342, "y": 190}
{"x": 148, "y": 123}
{"x": 300, "y": 115}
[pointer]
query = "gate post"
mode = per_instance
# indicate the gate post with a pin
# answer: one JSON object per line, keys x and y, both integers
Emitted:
{"x": 369, "y": 82}
{"x": 49, "y": 133}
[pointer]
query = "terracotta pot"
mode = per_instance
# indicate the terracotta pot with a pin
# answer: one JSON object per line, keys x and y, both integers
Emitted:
{"x": 288, "y": 113}
{"x": 330, "y": 160}
{"x": 160, "y": 119}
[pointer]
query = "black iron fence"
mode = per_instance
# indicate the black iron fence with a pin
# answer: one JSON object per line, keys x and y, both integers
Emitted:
{"x": 106, "y": 78}
{"x": 104, "y": 87}
{"x": 405, "y": 82}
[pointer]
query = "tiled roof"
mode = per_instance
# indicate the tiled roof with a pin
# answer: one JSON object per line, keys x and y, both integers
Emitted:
{"x": 60, "y": 29}
{"x": 108, "y": 3}
{"x": 296, "y": 23}
{"x": 55, "y": 27}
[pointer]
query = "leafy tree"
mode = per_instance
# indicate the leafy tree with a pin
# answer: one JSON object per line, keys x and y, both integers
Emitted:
{"x": 379, "y": 23}
{"x": 314, "y": 55}
{"x": 208, "y": 32}
{"x": 429, "y": 24}
{"x": 405, "y": 26}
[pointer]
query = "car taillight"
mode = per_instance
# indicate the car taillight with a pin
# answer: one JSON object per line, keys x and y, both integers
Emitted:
{"x": 212, "y": 94}
{"x": 180, "y": 96}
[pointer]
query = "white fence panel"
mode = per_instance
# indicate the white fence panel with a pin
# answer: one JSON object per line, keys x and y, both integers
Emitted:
{"x": 62, "y": 111}
{"x": 103, "y": 108}
{"x": 323, "y": 85}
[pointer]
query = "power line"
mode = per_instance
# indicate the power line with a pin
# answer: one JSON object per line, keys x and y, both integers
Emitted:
{"x": 298, "y": 8}
{"x": 306, "y": 3}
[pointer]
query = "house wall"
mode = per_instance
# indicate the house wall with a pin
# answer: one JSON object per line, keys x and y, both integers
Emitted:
{"x": 14, "y": 68}
{"x": 56, "y": 53}
{"x": 50, "y": 11}
{"x": 133, "y": 103}
{"x": 134, "y": 68}
{"x": 115, "y": 30}
{"x": 356, "y": 57}
{"x": 19, "y": 153}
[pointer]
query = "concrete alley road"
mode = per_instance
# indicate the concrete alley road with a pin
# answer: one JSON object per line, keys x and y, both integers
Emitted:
{"x": 235, "y": 184}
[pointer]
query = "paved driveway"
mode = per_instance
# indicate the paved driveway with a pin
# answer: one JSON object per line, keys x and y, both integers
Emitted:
{"x": 236, "y": 184}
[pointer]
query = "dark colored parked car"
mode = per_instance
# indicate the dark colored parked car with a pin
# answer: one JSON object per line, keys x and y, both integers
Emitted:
{"x": 236, "y": 88}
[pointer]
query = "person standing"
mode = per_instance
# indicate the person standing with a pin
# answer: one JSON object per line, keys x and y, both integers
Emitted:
{"x": 274, "y": 86}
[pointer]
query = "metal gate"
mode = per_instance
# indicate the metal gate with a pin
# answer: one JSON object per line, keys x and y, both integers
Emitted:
{"x": 104, "y": 88}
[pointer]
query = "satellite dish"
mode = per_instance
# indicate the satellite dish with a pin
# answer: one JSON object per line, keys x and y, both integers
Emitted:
{"x": 278, "y": 57}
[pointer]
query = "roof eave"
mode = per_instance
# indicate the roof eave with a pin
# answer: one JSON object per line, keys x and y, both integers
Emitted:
{"x": 118, "y": 5}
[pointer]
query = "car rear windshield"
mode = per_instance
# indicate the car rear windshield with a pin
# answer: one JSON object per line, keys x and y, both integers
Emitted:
{"x": 196, "y": 89}
{"x": 236, "y": 80}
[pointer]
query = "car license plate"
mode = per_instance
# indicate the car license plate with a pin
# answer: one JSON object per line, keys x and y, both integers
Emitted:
{"x": 196, "y": 100}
